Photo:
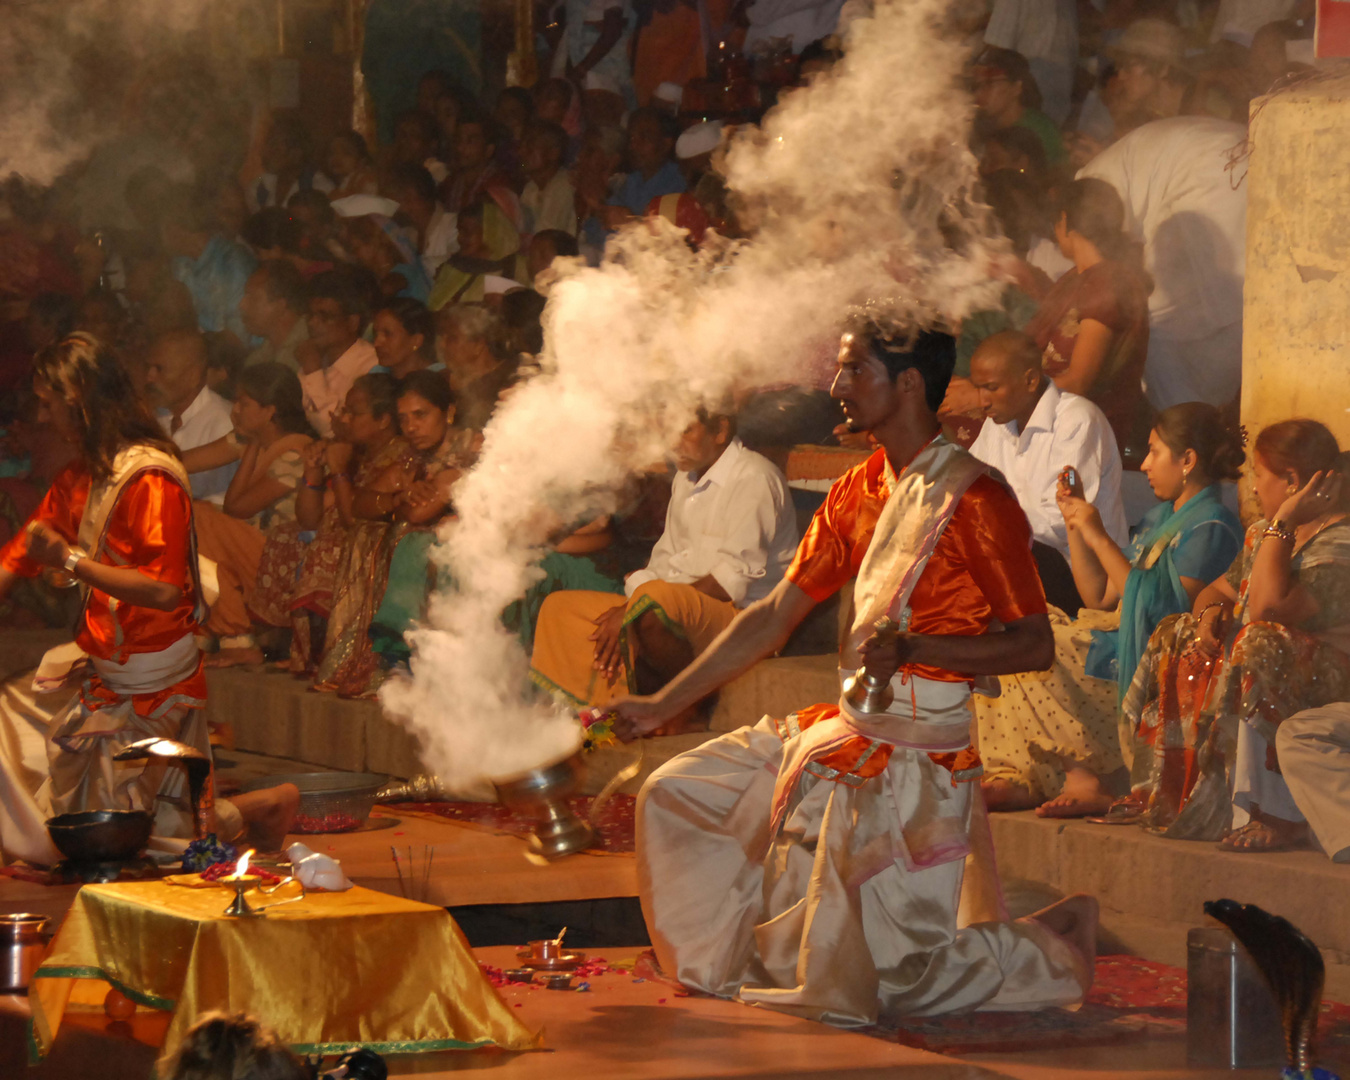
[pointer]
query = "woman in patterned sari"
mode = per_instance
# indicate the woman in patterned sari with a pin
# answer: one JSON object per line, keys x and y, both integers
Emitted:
{"x": 351, "y": 486}
{"x": 1270, "y": 638}
{"x": 394, "y": 576}
{"x": 1050, "y": 738}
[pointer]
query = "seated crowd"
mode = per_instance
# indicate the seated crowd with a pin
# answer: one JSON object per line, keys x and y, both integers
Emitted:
{"x": 325, "y": 337}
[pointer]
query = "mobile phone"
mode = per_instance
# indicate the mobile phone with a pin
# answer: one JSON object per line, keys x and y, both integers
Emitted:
{"x": 1072, "y": 481}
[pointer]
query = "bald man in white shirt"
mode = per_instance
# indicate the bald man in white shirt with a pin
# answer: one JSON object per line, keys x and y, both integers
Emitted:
{"x": 730, "y": 535}
{"x": 1032, "y": 432}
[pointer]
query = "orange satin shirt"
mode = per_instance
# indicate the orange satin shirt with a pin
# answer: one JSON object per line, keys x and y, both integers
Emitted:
{"x": 980, "y": 570}
{"x": 150, "y": 529}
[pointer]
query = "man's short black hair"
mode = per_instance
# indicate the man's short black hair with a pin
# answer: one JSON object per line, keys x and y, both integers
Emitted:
{"x": 932, "y": 353}
{"x": 414, "y": 178}
{"x": 426, "y": 123}
{"x": 553, "y": 134}
{"x": 345, "y": 284}
{"x": 272, "y": 227}
{"x": 492, "y": 131}
{"x": 665, "y": 123}
{"x": 564, "y": 243}
{"x": 283, "y": 281}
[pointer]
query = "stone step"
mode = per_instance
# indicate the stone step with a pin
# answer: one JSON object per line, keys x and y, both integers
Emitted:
{"x": 1151, "y": 889}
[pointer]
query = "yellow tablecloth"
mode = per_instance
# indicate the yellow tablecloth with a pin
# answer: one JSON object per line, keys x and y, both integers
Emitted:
{"x": 328, "y": 973}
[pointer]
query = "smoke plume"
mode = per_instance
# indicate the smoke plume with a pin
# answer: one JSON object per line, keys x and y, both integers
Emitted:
{"x": 859, "y": 193}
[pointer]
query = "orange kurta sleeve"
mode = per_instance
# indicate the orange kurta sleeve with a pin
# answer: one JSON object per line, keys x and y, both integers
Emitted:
{"x": 60, "y": 510}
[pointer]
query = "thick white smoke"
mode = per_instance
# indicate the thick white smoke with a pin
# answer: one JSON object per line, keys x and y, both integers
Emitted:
{"x": 859, "y": 193}
{"x": 77, "y": 73}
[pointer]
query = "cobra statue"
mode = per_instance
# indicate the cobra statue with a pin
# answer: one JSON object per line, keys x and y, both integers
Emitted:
{"x": 1293, "y": 967}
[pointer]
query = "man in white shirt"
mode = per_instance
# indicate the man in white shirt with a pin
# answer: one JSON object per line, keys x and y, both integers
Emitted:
{"x": 414, "y": 189}
{"x": 549, "y": 199}
{"x": 338, "y": 355}
{"x": 1032, "y": 432}
{"x": 730, "y": 534}
{"x": 1188, "y": 204}
{"x": 192, "y": 413}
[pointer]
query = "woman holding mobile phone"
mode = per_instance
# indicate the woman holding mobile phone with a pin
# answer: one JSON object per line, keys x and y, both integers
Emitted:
{"x": 1051, "y": 739}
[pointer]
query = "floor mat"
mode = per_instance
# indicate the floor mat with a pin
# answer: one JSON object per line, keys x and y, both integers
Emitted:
{"x": 1131, "y": 998}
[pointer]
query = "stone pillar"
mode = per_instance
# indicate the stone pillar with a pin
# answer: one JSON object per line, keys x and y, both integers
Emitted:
{"x": 1296, "y": 301}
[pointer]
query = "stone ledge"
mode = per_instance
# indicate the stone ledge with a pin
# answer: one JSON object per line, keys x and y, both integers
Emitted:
{"x": 1151, "y": 889}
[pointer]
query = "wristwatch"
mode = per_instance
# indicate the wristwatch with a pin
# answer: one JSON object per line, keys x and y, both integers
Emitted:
{"x": 73, "y": 557}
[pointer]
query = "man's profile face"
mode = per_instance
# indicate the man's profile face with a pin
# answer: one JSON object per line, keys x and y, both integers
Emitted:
{"x": 472, "y": 150}
{"x": 255, "y": 305}
{"x": 647, "y": 147}
{"x": 330, "y": 325}
{"x": 862, "y": 386}
{"x": 1004, "y": 390}
{"x": 700, "y": 445}
{"x": 173, "y": 374}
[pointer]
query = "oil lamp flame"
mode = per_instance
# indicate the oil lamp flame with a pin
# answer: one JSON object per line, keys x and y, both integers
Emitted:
{"x": 241, "y": 867}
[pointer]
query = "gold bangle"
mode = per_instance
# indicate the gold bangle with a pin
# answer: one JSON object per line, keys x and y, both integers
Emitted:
{"x": 1279, "y": 530}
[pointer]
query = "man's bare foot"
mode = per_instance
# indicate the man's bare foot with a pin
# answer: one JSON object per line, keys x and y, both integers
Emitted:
{"x": 646, "y": 966}
{"x": 1006, "y": 795}
{"x": 268, "y": 814}
{"x": 1267, "y": 834}
{"x": 1075, "y": 920}
{"x": 235, "y": 657}
{"x": 1082, "y": 796}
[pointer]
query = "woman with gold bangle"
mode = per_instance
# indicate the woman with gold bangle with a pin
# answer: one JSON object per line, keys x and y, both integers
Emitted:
{"x": 1270, "y": 638}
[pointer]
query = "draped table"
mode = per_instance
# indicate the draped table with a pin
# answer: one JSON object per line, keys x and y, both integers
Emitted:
{"x": 328, "y": 973}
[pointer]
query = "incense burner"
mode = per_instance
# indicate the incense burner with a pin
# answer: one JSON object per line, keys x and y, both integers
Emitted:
{"x": 541, "y": 795}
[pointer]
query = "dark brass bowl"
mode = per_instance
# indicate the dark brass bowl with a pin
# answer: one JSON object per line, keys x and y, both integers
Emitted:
{"x": 101, "y": 835}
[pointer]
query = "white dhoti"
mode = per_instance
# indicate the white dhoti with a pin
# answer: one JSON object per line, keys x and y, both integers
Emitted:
{"x": 1314, "y": 750}
{"x": 1255, "y": 786}
{"x": 767, "y": 875}
{"x": 847, "y": 912}
{"x": 56, "y": 753}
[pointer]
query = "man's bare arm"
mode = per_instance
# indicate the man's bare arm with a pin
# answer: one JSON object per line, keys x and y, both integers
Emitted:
{"x": 1023, "y": 645}
{"x": 758, "y": 631}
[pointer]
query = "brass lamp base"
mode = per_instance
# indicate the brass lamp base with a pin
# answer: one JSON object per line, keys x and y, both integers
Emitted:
{"x": 239, "y": 907}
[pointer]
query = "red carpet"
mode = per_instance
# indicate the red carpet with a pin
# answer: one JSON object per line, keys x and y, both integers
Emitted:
{"x": 1130, "y": 998}
{"x": 614, "y": 829}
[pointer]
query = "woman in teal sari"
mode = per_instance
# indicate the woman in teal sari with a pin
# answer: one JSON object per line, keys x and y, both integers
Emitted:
{"x": 1051, "y": 740}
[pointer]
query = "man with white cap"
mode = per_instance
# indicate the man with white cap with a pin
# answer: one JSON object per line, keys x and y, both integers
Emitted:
{"x": 667, "y": 97}
{"x": 1145, "y": 78}
{"x": 694, "y": 150}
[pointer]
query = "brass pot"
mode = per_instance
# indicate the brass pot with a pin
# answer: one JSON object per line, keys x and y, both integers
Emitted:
{"x": 23, "y": 941}
{"x": 541, "y": 795}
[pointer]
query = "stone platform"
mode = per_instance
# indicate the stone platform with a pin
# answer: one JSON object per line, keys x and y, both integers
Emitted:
{"x": 273, "y": 713}
{"x": 1151, "y": 889}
